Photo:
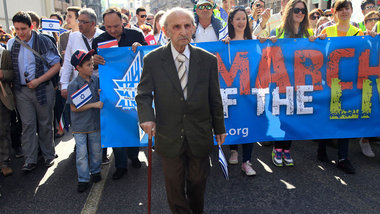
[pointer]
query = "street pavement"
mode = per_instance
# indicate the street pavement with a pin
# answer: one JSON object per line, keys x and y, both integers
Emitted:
{"x": 308, "y": 187}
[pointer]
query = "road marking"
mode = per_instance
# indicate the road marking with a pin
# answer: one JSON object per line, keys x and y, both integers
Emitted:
{"x": 93, "y": 198}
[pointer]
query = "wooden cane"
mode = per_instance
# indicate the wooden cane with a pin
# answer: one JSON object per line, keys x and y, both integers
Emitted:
{"x": 149, "y": 172}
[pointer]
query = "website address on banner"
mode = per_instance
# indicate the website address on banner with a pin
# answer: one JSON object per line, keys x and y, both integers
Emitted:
{"x": 238, "y": 131}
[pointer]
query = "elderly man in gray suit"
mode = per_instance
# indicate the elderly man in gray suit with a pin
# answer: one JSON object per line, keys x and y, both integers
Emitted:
{"x": 183, "y": 82}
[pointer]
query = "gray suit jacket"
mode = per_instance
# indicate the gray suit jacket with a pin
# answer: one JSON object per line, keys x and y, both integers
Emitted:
{"x": 176, "y": 118}
{"x": 6, "y": 66}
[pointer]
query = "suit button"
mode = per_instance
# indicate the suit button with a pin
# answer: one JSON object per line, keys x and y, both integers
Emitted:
{"x": 181, "y": 99}
{"x": 182, "y": 137}
{"x": 184, "y": 116}
{"x": 182, "y": 130}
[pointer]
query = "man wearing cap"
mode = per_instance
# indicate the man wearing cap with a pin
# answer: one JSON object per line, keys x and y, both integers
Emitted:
{"x": 83, "y": 97}
{"x": 207, "y": 26}
{"x": 183, "y": 82}
{"x": 35, "y": 61}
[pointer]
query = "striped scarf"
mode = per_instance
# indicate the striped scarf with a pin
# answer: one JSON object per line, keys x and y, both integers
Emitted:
{"x": 41, "y": 44}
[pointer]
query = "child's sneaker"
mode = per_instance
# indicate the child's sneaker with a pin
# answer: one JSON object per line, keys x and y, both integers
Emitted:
{"x": 277, "y": 157}
{"x": 234, "y": 157}
{"x": 247, "y": 168}
{"x": 288, "y": 160}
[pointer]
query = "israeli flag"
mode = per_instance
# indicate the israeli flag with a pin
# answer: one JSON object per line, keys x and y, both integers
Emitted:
{"x": 223, "y": 33}
{"x": 50, "y": 25}
{"x": 82, "y": 96}
{"x": 223, "y": 163}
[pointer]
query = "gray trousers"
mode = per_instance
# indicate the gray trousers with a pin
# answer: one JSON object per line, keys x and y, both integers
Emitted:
{"x": 31, "y": 114}
{"x": 5, "y": 134}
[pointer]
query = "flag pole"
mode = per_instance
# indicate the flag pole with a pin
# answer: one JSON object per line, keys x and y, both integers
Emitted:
{"x": 149, "y": 172}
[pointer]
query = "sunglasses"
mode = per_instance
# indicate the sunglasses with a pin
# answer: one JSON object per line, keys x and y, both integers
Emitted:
{"x": 369, "y": 7}
{"x": 372, "y": 20}
{"x": 149, "y": 19}
{"x": 143, "y": 16}
{"x": 328, "y": 15}
{"x": 298, "y": 10}
{"x": 201, "y": 7}
{"x": 314, "y": 17}
{"x": 82, "y": 22}
{"x": 259, "y": 6}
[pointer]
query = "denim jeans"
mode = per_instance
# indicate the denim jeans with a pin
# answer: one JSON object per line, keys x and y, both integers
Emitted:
{"x": 88, "y": 145}
{"x": 247, "y": 150}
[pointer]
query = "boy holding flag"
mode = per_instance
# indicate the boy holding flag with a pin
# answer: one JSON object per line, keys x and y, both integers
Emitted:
{"x": 83, "y": 97}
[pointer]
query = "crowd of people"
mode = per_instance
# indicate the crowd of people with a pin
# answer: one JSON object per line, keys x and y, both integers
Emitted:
{"x": 41, "y": 71}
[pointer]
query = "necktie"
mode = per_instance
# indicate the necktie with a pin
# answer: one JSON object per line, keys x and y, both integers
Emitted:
{"x": 182, "y": 75}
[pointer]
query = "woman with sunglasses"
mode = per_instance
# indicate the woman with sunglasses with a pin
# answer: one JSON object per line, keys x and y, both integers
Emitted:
{"x": 238, "y": 29}
{"x": 314, "y": 16}
{"x": 294, "y": 24}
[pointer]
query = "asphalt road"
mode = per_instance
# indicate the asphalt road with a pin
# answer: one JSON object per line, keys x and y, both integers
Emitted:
{"x": 308, "y": 187}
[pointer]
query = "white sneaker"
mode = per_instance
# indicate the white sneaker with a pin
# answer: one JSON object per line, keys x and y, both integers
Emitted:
{"x": 247, "y": 168}
{"x": 366, "y": 147}
{"x": 234, "y": 157}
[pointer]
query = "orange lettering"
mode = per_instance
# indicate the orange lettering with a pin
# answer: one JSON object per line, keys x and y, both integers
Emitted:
{"x": 332, "y": 71}
{"x": 308, "y": 62}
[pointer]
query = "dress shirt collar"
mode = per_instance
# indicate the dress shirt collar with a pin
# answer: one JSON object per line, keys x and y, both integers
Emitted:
{"x": 175, "y": 53}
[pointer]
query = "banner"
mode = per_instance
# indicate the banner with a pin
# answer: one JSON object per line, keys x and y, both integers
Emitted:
{"x": 293, "y": 89}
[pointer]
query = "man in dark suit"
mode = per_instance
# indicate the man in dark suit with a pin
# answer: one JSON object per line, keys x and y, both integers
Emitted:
{"x": 183, "y": 82}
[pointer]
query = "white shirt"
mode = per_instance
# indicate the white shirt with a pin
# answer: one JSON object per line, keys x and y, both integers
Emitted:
{"x": 186, "y": 52}
{"x": 205, "y": 34}
{"x": 74, "y": 43}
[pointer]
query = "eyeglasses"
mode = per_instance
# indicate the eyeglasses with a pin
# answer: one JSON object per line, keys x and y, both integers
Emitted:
{"x": 369, "y": 7}
{"x": 201, "y": 7}
{"x": 83, "y": 22}
{"x": 314, "y": 17}
{"x": 149, "y": 19}
{"x": 143, "y": 16}
{"x": 371, "y": 20}
{"x": 298, "y": 10}
{"x": 328, "y": 15}
{"x": 26, "y": 74}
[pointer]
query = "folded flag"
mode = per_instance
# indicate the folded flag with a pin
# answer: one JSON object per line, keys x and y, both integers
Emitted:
{"x": 108, "y": 44}
{"x": 50, "y": 25}
{"x": 82, "y": 96}
{"x": 223, "y": 163}
{"x": 223, "y": 33}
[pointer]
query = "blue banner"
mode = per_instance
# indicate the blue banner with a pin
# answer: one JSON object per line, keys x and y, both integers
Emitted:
{"x": 293, "y": 89}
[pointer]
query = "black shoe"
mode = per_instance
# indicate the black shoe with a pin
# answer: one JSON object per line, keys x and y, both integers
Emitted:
{"x": 27, "y": 167}
{"x": 105, "y": 161}
{"x": 136, "y": 163}
{"x": 322, "y": 157}
{"x": 119, "y": 173}
{"x": 346, "y": 166}
{"x": 18, "y": 152}
{"x": 49, "y": 162}
{"x": 96, "y": 177}
{"x": 82, "y": 186}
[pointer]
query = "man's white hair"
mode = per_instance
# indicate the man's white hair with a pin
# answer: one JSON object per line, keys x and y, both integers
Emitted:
{"x": 178, "y": 10}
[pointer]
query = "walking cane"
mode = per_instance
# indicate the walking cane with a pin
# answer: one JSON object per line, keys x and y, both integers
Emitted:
{"x": 149, "y": 172}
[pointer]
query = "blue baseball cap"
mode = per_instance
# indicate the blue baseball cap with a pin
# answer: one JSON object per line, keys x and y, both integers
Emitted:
{"x": 79, "y": 55}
